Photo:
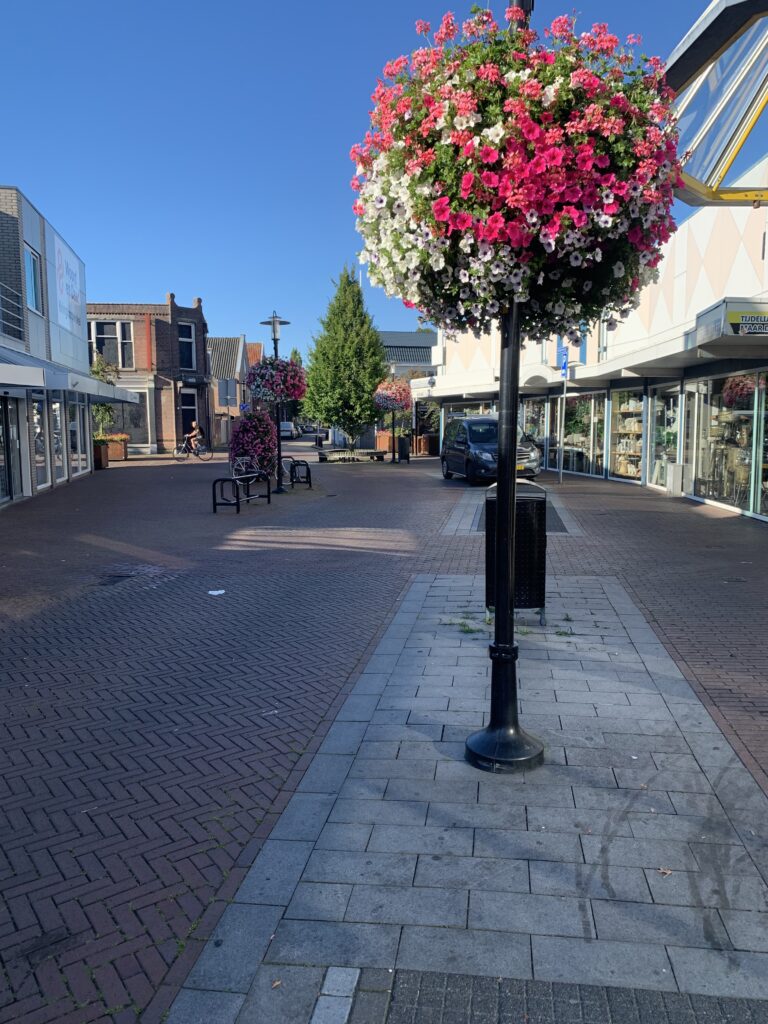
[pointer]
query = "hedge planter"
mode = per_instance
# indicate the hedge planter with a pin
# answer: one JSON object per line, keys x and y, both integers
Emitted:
{"x": 118, "y": 450}
{"x": 100, "y": 456}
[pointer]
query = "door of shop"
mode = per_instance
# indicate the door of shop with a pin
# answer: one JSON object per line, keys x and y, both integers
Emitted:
{"x": 10, "y": 450}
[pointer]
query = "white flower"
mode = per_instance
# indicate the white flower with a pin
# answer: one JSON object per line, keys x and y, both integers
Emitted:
{"x": 549, "y": 95}
{"x": 604, "y": 220}
{"x": 547, "y": 243}
{"x": 466, "y": 242}
{"x": 495, "y": 134}
{"x": 618, "y": 269}
{"x": 437, "y": 261}
{"x": 576, "y": 259}
{"x": 597, "y": 255}
{"x": 587, "y": 286}
{"x": 463, "y": 275}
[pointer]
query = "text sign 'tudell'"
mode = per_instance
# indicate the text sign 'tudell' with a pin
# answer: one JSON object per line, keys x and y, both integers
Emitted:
{"x": 748, "y": 323}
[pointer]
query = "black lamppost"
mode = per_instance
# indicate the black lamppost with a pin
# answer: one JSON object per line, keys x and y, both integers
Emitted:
{"x": 503, "y": 746}
{"x": 276, "y": 323}
{"x": 392, "y": 371}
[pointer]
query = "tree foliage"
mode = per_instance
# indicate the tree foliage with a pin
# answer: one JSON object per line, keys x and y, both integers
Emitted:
{"x": 346, "y": 363}
{"x": 295, "y": 357}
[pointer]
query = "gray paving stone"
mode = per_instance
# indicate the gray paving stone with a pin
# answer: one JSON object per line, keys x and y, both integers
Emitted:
{"x": 289, "y": 1002}
{"x": 378, "y": 750}
{"x": 429, "y": 789}
{"x": 349, "y": 867}
{"x": 747, "y": 929}
{"x": 415, "y": 839}
{"x": 383, "y": 812}
{"x": 545, "y": 846}
{"x": 340, "y": 981}
{"x": 596, "y": 881}
{"x": 701, "y": 889}
{"x": 669, "y": 779}
{"x": 413, "y": 733}
{"x": 332, "y": 1010}
{"x": 685, "y": 828}
{"x": 275, "y": 873}
{"x": 587, "y": 962}
{"x": 358, "y": 707}
{"x": 726, "y": 859}
{"x": 326, "y": 773}
{"x": 698, "y": 805}
{"x": 472, "y": 873}
{"x": 713, "y": 973}
{"x": 638, "y": 743}
{"x": 370, "y": 1008}
{"x": 530, "y": 913}
{"x": 191, "y": 1007}
{"x": 608, "y": 757}
{"x": 665, "y": 925}
{"x": 363, "y": 789}
{"x": 585, "y": 819}
{"x": 304, "y": 816}
{"x": 228, "y": 962}
{"x": 712, "y": 751}
{"x": 338, "y": 836}
{"x": 373, "y": 768}
{"x": 319, "y": 901}
{"x": 639, "y": 853}
{"x": 529, "y": 796}
{"x": 343, "y": 738}
{"x": 462, "y": 951}
{"x": 408, "y": 905}
{"x": 686, "y": 762}
{"x": 332, "y": 943}
{"x": 499, "y": 815}
{"x": 738, "y": 791}
{"x": 623, "y": 800}
{"x": 431, "y": 751}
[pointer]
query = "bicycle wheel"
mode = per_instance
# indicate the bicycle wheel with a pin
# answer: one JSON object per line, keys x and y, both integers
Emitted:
{"x": 181, "y": 453}
{"x": 204, "y": 452}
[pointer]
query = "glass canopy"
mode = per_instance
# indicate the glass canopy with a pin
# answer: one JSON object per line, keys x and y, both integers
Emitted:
{"x": 720, "y": 71}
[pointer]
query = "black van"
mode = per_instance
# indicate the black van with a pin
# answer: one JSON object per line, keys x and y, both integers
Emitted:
{"x": 471, "y": 446}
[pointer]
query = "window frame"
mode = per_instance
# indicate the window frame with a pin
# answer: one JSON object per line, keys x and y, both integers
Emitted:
{"x": 119, "y": 339}
{"x": 191, "y": 341}
{"x": 36, "y": 277}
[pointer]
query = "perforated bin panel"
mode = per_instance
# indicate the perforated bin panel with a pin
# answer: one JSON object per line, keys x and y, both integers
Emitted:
{"x": 530, "y": 546}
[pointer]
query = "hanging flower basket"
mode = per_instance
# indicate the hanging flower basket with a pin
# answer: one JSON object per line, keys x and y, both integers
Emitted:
{"x": 499, "y": 167}
{"x": 738, "y": 391}
{"x": 277, "y": 380}
{"x": 393, "y": 396}
{"x": 254, "y": 436}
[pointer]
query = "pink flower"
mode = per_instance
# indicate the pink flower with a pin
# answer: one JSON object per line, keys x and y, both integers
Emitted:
{"x": 448, "y": 29}
{"x": 562, "y": 27}
{"x": 394, "y": 67}
{"x": 489, "y": 179}
{"x": 423, "y": 28}
{"x": 441, "y": 209}
{"x": 489, "y": 155}
{"x": 515, "y": 14}
{"x": 467, "y": 180}
{"x": 461, "y": 221}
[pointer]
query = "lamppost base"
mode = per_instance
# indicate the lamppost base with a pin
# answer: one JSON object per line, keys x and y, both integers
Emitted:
{"x": 503, "y": 750}
{"x": 279, "y": 489}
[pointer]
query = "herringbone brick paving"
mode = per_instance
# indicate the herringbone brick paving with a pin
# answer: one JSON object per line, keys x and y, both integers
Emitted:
{"x": 153, "y": 733}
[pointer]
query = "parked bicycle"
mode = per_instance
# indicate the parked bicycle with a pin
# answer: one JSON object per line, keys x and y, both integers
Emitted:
{"x": 201, "y": 451}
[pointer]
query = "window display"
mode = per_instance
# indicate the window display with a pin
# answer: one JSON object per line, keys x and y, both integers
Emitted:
{"x": 583, "y": 433}
{"x": 726, "y": 420}
{"x": 626, "y": 434}
{"x": 534, "y": 419}
{"x": 663, "y": 433}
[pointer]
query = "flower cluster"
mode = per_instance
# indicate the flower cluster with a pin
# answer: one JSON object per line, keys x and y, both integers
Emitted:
{"x": 255, "y": 437}
{"x": 277, "y": 380}
{"x": 501, "y": 167}
{"x": 738, "y": 391}
{"x": 393, "y": 396}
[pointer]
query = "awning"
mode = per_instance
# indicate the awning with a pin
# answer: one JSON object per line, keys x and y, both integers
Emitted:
{"x": 21, "y": 369}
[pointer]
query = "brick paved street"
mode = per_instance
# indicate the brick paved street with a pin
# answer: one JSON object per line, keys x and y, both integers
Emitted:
{"x": 154, "y": 733}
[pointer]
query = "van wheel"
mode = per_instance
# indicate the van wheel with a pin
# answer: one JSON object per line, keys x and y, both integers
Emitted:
{"x": 447, "y": 475}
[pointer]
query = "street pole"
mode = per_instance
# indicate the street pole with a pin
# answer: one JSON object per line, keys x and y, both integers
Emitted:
{"x": 503, "y": 746}
{"x": 393, "y": 436}
{"x": 561, "y": 430}
{"x": 275, "y": 323}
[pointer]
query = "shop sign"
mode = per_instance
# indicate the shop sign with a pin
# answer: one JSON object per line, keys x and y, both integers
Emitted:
{"x": 742, "y": 322}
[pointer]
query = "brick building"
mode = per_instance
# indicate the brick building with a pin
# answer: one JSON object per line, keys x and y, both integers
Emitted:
{"x": 160, "y": 350}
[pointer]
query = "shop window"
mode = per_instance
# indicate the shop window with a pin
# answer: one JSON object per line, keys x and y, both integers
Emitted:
{"x": 34, "y": 280}
{"x": 602, "y": 342}
{"x": 664, "y": 428}
{"x": 761, "y": 491}
{"x": 726, "y": 423}
{"x": 40, "y": 441}
{"x": 626, "y": 434}
{"x": 187, "y": 346}
{"x": 534, "y": 419}
{"x": 131, "y": 420}
{"x": 79, "y": 435}
{"x": 57, "y": 436}
{"x": 583, "y": 430}
{"x": 126, "y": 345}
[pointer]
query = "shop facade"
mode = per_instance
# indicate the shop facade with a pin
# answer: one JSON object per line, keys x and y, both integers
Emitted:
{"x": 46, "y": 391}
{"x": 675, "y": 397}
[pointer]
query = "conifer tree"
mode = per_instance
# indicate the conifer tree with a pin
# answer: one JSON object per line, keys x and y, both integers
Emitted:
{"x": 346, "y": 363}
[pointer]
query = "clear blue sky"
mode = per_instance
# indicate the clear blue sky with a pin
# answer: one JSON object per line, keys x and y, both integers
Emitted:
{"x": 202, "y": 148}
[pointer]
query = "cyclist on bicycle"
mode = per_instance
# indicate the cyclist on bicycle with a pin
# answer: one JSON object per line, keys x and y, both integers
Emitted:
{"x": 196, "y": 436}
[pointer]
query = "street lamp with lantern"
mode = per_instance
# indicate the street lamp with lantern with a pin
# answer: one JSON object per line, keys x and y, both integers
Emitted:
{"x": 275, "y": 323}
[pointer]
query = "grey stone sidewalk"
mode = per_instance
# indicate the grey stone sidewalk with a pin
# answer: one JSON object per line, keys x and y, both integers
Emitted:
{"x": 634, "y": 859}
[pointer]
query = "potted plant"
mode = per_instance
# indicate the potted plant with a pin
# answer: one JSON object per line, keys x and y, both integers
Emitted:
{"x": 118, "y": 445}
{"x": 100, "y": 452}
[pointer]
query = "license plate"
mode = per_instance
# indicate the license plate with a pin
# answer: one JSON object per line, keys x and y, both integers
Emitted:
{"x": 520, "y": 467}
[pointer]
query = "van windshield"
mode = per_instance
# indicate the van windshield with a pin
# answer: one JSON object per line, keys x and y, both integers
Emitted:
{"x": 484, "y": 433}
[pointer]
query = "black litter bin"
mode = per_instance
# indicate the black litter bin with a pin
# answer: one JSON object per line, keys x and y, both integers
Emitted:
{"x": 319, "y": 440}
{"x": 403, "y": 449}
{"x": 530, "y": 547}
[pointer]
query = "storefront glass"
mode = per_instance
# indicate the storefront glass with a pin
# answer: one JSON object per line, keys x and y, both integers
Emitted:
{"x": 57, "y": 436}
{"x": 626, "y": 434}
{"x": 725, "y": 427}
{"x": 663, "y": 433}
{"x": 761, "y": 490}
{"x": 535, "y": 418}
{"x": 79, "y": 435}
{"x": 131, "y": 420}
{"x": 583, "y": 433}
{"x": 40, "y": 432}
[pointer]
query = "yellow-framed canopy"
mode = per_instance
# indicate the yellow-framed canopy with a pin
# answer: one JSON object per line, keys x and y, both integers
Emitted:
{"x": 720, "y": 73}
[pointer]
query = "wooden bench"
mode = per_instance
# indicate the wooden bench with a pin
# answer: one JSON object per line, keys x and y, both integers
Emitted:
{"x": 245, "y": 473}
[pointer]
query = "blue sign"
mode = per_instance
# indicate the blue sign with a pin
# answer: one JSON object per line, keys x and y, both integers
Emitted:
{"x": 564, "y": 365}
